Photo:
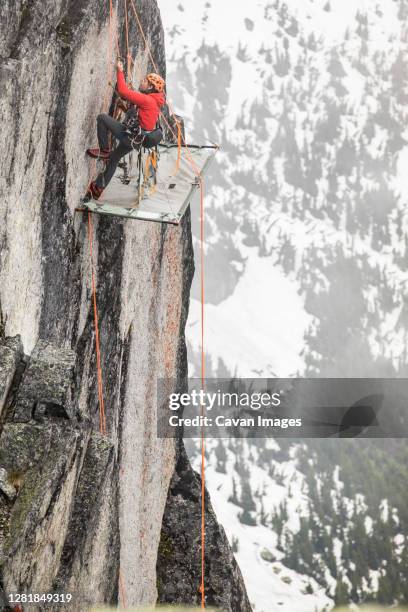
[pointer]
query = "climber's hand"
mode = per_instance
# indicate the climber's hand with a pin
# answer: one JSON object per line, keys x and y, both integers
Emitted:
{"x": 119, "y": 66}
{"x": 122, "y": 106}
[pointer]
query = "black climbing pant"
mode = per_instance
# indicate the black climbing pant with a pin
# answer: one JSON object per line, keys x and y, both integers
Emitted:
{"x": 106, "y": 124}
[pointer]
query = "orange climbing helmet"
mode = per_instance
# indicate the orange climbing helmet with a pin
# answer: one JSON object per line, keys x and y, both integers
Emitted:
{"x": 157, "y": 81}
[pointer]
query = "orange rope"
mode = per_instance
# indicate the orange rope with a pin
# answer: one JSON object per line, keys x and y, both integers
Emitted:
{"x": 122, "y": 591}
{"x": 109, "y": 59}
{"x": 109, "y": 53}
{"x": 202, "y": 385}
{"x": 178, "y": 146}
{"x": 102, "y": 418}
{"x": 179, "y": 138}
{"x": 111, "y": 11}
{"x": 202, "y": 583}
{"x": 143, "y": 35}
{"x": 128, "y": 55}
{"x": 147, "y": 46}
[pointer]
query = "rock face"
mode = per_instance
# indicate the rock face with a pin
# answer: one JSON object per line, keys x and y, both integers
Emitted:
{"x": 79, "y": 510}
{"x": 54, "y": 74}
{"x": 179, "y": 559}
{"x": 10, "y": 355}
{"x": 58, "y": 490}
{"x": 46, "y": 387}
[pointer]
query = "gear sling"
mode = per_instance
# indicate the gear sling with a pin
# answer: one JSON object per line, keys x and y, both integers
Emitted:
{"x": 131, "y": 136}
{"x": 141, "y": 139}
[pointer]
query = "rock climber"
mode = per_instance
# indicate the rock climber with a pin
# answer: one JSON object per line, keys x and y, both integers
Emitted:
{"x": 140, "y": 119}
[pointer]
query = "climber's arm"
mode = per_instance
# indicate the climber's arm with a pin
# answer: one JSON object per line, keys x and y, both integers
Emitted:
{"x": 129, "y": 94}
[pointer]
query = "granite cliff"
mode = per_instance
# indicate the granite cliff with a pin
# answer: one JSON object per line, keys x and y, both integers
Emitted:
{"x": 81, "y": 512}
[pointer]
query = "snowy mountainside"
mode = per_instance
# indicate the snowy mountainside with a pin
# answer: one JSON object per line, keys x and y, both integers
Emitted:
{"x": 306, "y": 258}
{"x": 305, "y": 535}
{"x": 308, "y": 101}
{"x": 271, "y": 585}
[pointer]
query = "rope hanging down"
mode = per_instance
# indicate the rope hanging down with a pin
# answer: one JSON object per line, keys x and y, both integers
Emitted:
{"x": 180, "y": 137}
{"x": 202, "y": 385}
{"x": 127, "y": 41}
{"x": 102, "y": 417}
{"x": 101, "y": 401}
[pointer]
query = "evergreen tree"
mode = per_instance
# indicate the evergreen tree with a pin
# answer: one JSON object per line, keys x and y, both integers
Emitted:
{"x": 341, "y": 593}
{"x": 221, "y": 457}
{"x": 233, "y": 498}
{"x": 247, "y": 500}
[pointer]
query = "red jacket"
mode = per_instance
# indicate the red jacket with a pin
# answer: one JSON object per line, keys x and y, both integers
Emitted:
{"x": 148, "y": 104}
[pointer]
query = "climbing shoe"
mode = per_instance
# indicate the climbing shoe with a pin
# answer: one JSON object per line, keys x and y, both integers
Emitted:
{"x": 93, "y": 193}
{"x": 98, "y": 153}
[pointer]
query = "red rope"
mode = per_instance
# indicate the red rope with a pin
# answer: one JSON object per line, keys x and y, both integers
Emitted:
{"x": 202, "y": 385}
{"x": 102, "y": 418}
{"x": 128, "y": 55}
{"x": 122, "y": 591}
{"x": 109, "y": 53}
{"x": 143, "y": 34}
{"x": 178, "y": 138}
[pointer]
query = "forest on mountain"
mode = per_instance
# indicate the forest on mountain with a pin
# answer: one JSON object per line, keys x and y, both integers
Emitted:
{"x": 351, "y": 535}
{"x": 311, "y": 175}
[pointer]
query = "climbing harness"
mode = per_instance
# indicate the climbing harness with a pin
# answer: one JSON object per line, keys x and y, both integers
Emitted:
{"x": 124, "y": 179}
{"x": 133, "y": 128}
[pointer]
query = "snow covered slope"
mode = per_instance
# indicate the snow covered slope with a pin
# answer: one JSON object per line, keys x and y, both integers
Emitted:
{"x": 305, "y": 533}
{"x": 280, "y": 316}
{"x": 306, "y": 246}
{"x": 271, "y": 586}
{"x": 308, "y": 101}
